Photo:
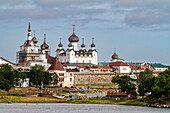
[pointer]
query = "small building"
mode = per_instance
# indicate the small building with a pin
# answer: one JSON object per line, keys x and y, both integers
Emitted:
{"x": 23, "y": 83}
{"x": 120, "y": 67}
{"x": 65, "y": 78}
{"x": 159, "y": 67}
{"x": 4, "y": 61}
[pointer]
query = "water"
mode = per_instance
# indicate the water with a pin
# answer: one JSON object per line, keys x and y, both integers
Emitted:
{"x": 77, "y": 108}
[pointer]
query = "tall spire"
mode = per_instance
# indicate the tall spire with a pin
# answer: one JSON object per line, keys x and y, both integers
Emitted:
{"x": 29, "y": 26}
{"x": 73, "y": 28}
{"x": 114, "y": 50}
{"x": 44, "y": 37}
{"x": 29, "y": 31}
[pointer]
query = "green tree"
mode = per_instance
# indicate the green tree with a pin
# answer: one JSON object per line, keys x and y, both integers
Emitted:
{"x": 126, "y": 84}
{"x": 115, "y": 79}
{"x": 145, "y": 86}
{"x": 147, "y": 73}
{"x": 161, "y": 86}
{"x": 47, "y": 78}
{"x": 38, "y": 76}
{"x": 4, "y": 84}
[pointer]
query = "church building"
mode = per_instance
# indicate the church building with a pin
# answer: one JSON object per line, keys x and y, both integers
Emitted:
{"x": 30, "y": 54}
{"x": 73, "y": 55}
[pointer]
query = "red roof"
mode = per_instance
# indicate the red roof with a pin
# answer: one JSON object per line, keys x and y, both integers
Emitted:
{"x": 103, "y": 67}
{"x": 82, "y": 67}
{"x": 56, "y": 66}
{"x": 115, "y": 94}
{"x": 139, "y": 67}
{"x": 118, "y": 64}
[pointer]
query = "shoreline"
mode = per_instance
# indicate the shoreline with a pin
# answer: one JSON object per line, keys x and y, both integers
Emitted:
{"x": 48, "y": 100}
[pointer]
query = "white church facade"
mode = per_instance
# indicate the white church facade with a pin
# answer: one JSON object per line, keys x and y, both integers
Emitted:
{"x": 73, "y": 55}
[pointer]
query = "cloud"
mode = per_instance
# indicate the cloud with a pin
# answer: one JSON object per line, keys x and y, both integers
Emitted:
{"x": 146, "y": 17}
{"x": 131, "y": 12}
{"x": 143, "y": 12}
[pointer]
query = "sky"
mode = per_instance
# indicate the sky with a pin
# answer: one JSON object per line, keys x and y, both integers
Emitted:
{"x": 138, "y": 29}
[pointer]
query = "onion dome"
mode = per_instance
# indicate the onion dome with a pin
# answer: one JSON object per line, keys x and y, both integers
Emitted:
{"x": 69, "y": 45}
{"x": 73, "y": 37}
{"x": 44, "y": 44}
{"x": 83, "y": 45}
{"x": 34, "y": 39}
{"x": 115, "y": 56}
{"x": 92, "y": 45}
{"x": 60, "y": 45}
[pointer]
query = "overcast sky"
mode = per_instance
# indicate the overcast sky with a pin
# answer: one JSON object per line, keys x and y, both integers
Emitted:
{"x": 139, "y": 29}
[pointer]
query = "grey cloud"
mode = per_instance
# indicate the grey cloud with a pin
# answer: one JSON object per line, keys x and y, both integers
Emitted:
{"x": 146, "y": 17}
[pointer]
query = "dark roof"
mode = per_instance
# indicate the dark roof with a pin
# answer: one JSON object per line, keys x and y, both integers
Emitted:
{"x": 60, "y": 45}
{"x": 73, "y": 38}
{"x": 92, "y": 45}
{"x": 50, "y": 59}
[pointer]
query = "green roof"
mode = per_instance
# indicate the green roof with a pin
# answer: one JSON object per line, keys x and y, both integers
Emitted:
{"x": 159, "y": 66}
{"x": 103, "y": 63}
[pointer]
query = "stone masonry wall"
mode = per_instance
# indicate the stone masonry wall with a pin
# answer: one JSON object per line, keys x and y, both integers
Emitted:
{"x": 93, "y": 79}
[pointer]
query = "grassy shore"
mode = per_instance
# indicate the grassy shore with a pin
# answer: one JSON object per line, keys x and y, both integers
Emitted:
{"x": 19, "y": 99}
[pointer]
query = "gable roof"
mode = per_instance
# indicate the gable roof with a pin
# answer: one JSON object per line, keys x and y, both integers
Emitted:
{"x": 118, "y": 64}
{"x": 57, "y": 66}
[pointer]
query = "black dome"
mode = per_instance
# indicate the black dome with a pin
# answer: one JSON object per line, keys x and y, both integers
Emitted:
{"x": 92, "y": 45}
{"x": 69, "y": 45}
{"x": 60, "y": 45}
{"x": 83, "y": 45}
{"x": 73, "y": 38}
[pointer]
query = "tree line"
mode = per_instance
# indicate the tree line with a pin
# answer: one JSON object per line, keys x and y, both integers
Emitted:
{"x": 146, "y": 84}
{"x": 38, "y": 76}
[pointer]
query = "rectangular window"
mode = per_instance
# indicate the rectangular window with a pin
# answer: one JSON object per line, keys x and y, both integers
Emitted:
{"x": 70, "y": 79}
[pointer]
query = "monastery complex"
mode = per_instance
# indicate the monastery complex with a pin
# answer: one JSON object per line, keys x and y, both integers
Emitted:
{"x": 74, "y": 65}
